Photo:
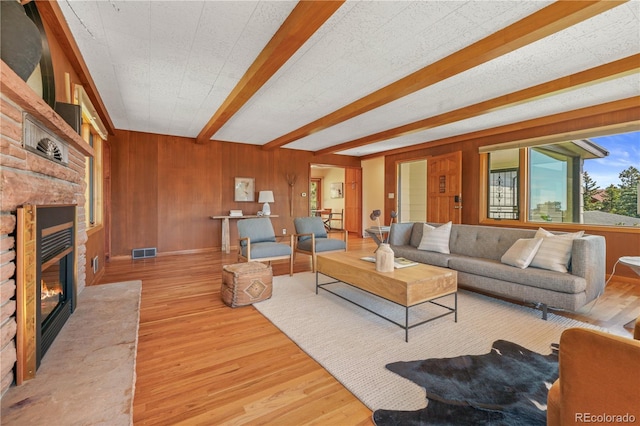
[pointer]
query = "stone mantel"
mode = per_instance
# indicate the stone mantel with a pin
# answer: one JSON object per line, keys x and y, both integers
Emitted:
{"x": 18, "y": 91}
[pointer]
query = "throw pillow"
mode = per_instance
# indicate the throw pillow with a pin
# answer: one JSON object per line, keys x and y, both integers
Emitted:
{"x": 554, "y": 253}
{"x": 522, "y": 252}
{"x": 436, "y": 239}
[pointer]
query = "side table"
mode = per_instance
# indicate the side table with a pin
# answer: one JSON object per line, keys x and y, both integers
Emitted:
{"x": 632, "y": 262}
{"x": 376, "y": 231}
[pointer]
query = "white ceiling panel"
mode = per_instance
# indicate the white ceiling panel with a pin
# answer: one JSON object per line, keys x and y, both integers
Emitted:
{"x": 167, "y": 66}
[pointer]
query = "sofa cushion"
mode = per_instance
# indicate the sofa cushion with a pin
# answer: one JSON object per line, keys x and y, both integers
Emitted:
{"x": 540, "y": 278}
{"x": 488, "y": 242}
{"x": 427, "y": 257}
{"x": 521, "y": 253}
{"x": 555, "y": 252}
{"x": 435, "y": 239}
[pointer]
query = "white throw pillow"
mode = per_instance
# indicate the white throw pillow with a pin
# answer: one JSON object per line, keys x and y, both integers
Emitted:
{"x": 555, "y": 251}
{"x": 522, "y": 252}
{"x": 435, "y": 239}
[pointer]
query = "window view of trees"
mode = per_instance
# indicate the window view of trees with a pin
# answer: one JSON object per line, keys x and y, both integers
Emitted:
{"x": 610, "y": 185}
{"x": 618, "y": 200}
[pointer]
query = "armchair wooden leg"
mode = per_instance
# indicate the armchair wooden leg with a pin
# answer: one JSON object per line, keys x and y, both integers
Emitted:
{"x": 291, "y": 265}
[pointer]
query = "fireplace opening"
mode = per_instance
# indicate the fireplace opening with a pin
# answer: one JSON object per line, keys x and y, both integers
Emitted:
{"x": 55, "y": 259}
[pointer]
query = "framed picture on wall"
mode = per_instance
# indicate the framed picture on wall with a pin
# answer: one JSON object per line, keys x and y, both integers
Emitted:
{"x": 337, "y": 190}
{"x": 244, "y": 189}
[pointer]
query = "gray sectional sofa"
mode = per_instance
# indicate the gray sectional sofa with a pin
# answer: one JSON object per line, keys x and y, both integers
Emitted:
{"x": 476, "y": 252}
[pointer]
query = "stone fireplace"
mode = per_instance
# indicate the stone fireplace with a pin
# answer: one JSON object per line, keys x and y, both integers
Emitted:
{"x": 29, "y": 179}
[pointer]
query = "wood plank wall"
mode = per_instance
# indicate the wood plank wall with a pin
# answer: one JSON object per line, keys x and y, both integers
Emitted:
{"x": 165, "y": 188}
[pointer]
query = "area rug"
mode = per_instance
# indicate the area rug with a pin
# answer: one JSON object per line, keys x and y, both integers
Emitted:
{"x": 507, "y": 386}
{"x": 87, "y": 377}
{"x": 355, "y": 345}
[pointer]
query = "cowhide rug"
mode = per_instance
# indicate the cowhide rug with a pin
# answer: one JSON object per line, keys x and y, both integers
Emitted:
{"x": 507, "y": 386}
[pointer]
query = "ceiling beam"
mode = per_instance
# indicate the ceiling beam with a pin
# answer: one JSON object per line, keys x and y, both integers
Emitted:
{"x": 303, "y": 21}
{"x": 552, "y": 19}
{"x": 623, "y": 111}
{"x": 616, "y": 69}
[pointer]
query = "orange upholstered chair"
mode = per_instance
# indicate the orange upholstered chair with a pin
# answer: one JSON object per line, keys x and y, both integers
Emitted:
{"x": 599, "y": 376}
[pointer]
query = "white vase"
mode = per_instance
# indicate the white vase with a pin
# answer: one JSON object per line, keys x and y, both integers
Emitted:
{"x": 384, "y": 258}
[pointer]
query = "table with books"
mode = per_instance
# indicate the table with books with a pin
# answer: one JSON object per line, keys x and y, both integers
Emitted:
{"x": 409, "y": 285}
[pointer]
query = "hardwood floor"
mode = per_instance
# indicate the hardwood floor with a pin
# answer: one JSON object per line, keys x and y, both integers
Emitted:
{"x": 201, "y": 362}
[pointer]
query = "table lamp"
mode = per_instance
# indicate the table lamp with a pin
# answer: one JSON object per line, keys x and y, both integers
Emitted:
{"x": 266, "y": 197}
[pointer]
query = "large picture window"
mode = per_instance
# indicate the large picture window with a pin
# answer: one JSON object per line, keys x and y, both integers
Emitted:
{"x": 589, "y": 181}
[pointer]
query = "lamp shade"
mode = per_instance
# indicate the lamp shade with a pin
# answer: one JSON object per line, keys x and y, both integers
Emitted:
{"x": 265, "y": 197}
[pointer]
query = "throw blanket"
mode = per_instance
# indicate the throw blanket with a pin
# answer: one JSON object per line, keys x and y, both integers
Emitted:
{"x": 507, "y": 386}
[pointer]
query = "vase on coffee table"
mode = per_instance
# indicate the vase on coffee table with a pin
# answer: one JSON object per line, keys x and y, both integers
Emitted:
{"x": 384, "y": 258}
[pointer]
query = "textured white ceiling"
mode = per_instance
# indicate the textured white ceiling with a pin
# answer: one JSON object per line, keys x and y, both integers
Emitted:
{"x": 167, "y": 66}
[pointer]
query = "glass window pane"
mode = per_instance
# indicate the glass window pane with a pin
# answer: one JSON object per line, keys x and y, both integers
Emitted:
{"x": 610, "y": 183}
{"x": 504, "y": 171}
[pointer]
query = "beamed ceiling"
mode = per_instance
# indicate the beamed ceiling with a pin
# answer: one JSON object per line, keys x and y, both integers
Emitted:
{"x": 357, "y": 77}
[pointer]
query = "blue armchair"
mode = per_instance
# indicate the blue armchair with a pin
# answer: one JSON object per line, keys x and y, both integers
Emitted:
{"x": 258, "y": 242}
{"x": 311, "y": 238}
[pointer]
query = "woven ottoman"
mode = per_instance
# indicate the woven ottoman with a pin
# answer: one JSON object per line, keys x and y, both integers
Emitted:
{"x": 246, "y": 283}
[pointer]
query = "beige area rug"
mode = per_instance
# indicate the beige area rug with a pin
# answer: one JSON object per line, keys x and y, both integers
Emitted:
{"x": 355, "y": 345}
{"x": 87, "y": 377}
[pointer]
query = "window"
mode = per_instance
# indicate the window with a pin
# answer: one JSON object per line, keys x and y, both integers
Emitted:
{"x": 93, "y": 177}
{"x": 589, "y": 181}
{"x": 503, "y": 184}
{"x": 94, "y": 133}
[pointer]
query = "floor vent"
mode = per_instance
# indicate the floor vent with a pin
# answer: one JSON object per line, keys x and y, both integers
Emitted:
{"x": 143, "y": 253}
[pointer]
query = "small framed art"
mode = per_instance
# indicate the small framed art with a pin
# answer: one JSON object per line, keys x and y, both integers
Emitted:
{"x": 244, "y": 189}
{"x": 337, "y": 190}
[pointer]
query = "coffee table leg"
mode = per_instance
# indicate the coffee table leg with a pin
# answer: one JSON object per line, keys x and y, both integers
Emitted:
{"x": 406, "y": 324}
{"x": 316, "y": 282}
{"x": 455, "y": 314}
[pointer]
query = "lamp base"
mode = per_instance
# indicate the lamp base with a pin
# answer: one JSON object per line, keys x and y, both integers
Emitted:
{"x": 266, "y": 210}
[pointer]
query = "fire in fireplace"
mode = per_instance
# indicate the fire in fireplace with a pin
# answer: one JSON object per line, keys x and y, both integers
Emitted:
{"x": 55, "y": 261}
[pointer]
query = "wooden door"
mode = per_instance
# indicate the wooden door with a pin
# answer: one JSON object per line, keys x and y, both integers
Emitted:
{"x": 444, "y": 191}
{"x": 353, "y": 200}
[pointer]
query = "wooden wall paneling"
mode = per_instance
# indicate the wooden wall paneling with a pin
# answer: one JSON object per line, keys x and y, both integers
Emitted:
{"x": 295, "y": 164}
{"x": 120, "y": 209}
{"x": 164, "y": 189}
{"x": 142, "y": 187}
{"x": 186, "y": 194}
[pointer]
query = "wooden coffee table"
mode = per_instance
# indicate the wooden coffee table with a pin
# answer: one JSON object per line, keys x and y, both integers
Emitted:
{"x": 407, "y": 287}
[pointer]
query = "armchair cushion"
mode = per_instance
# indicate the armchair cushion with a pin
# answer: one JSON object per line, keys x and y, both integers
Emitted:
{"x": 322, "y": 244}
{"x": 266, "y": 249}
{"x": 309, "y": 225}
{"x": 257, "y": 229}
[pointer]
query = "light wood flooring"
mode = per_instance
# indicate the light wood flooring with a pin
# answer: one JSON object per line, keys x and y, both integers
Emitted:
{"x": 201, "y": 362}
